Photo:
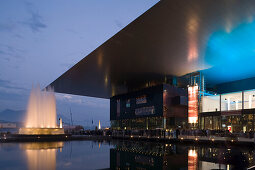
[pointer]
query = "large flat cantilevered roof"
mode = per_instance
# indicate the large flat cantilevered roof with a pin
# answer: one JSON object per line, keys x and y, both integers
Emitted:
{"x": 173, "y": 38}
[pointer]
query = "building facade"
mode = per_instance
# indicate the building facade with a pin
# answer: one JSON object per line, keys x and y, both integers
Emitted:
{"x": 228, "y": 111}
{"x": 158, "y": 107}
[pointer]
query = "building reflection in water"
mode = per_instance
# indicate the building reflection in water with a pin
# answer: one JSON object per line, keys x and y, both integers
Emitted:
{"x": 41, "y": 155}
{"x": 192, "y": 159}
{"x": 139, "y": 155}
{"x": 147, "y": 156}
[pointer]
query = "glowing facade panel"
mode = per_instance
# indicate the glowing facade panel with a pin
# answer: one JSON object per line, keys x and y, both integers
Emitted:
{"x": 193, "y": 104}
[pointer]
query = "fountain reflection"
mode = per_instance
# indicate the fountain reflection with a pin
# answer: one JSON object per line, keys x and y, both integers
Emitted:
{"x": 41, "y": 155}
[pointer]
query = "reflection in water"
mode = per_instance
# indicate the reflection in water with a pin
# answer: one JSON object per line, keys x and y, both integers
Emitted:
{"x": 192, "y": 159}
{"x": 140, "y": 155}
{"x": 137, "y": 155}
{"x": 41, "y": 156}
{"x": 123, "y": 155}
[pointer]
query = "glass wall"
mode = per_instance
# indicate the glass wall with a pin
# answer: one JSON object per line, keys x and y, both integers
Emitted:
{"x": 216, "y": 122}
{"x": 231, "y": 101}
{"x": 211, "y": 103}
{"x": 247, "y": 122}
{"x": 236, "y": 123}
{"x": 232, "y": 121}
{"x": 202, "y": 122}
{"x": 209, "y": 122}
{"x": 249, "y": 99}
{"x": 225, "y": 122}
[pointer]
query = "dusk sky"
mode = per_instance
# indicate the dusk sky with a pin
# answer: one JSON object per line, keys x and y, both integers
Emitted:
{"x": 40, "y": 40}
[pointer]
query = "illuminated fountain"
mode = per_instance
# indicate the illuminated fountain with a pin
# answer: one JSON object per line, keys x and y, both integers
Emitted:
{"x": 41, "y": 117}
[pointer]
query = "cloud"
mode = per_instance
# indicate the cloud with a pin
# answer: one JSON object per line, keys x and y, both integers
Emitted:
{"x": 35, "y": 22}
{"x": 82, "y": 100}
{"x": 10, "y": 88}
{"x": 8, "y": 51}
{"x": 8, "y": 27}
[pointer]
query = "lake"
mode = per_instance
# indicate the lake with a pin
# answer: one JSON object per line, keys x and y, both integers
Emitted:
{"x": 117, "y": 154}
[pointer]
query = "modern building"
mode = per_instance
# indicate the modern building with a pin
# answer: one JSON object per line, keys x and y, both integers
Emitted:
{"x": 158, "y": 107}
{"x": 180, "y": 64}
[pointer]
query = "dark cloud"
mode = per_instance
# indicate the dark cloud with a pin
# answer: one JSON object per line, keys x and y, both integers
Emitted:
{"x": 35, "y": 22}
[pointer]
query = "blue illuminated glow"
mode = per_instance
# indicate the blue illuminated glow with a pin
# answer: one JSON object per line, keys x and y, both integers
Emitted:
{"x": 231, "y": 54}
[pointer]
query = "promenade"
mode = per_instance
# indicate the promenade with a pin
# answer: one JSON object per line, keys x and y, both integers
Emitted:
{"x": 188, "y": 137}
{"x": 194, "y": 137}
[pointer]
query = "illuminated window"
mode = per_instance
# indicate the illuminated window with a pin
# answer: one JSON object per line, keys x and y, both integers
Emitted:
{"x": 211, "y": 103}
{"x": 231, "y": 101}
{"x": 128, "y": 103}
{"x": 141, "y": 100}
{"x": 145, "y": 111}
{"x": 249, "y": 99}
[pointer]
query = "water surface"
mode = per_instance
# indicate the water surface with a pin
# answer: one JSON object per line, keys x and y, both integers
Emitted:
{"x": 121, "y": 154}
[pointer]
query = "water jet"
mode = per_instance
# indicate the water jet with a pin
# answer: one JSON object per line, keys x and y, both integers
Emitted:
{"x": 41, "y": 117}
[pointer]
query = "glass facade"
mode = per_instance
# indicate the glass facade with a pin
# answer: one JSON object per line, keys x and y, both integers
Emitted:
{"x": 248, "y": 123}
{"x": 139, "y": 123}
{"x": 228, "y": 102}
{"x": 231, "y": 101}
{"x": 217, "y": 122}
{"x": 208, "y": 122}
{"x": 236, "y": 114}
{"x": 211, "y": 103}
{"x": 249, "y": 99}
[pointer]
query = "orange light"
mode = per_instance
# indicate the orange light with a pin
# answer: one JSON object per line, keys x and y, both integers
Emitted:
{"x": 193, "y": 104}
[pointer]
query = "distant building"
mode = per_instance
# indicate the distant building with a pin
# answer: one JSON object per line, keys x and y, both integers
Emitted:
{"x": 73, "y": 129}
{"x": 8, "y": 125}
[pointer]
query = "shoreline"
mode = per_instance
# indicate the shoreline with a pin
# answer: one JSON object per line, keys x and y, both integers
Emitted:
{"x": 195, "y": 140}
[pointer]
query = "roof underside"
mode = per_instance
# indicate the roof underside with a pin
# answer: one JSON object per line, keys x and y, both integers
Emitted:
{"x": 173, "y": 38}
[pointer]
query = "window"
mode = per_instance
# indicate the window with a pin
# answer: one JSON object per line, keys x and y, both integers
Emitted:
{"x": 249, "y": 99}
{"x": 211, "y": 103}
{"x": 141, "y": 100}
{"x": 208, "y": 122}
{"x": 144, "y": 111}
{"x": 128, "y": 103}
{"x": 231, "y": 101}
{"x": 247, "y": 122}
